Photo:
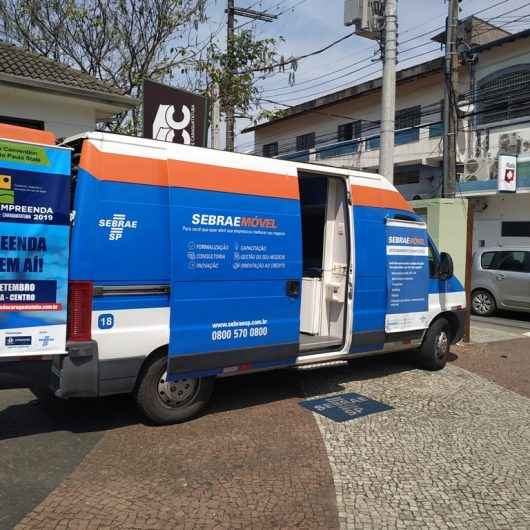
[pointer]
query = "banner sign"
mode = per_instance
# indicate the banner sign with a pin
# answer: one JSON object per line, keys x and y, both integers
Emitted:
{"x": 507, "y": 173}
{"x": 174, "y": 115}
{"x": 34, "y": 241}
{"x": 407, "y": 254}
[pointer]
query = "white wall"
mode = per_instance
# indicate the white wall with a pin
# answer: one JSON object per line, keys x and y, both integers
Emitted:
{"x": 426, "y": 152}
{"x": 424, "y": 91}
{"x": 62, "y": 115}
{"x": 491, "y": 211}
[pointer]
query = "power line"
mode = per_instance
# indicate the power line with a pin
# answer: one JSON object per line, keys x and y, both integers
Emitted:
{"x": 365, "y": 125}
{"x": 364, "y": 60}
{"x": 332, "y": 136}
{"x": 415, "y": 37}
{"x": 347, "y": 73}
{"x": 349, "y": 84}
{"x": 296, "y": 59}
{"x": 275, "y": 14}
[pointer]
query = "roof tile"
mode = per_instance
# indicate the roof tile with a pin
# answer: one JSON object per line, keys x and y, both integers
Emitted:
{"x": 19, "y": 62}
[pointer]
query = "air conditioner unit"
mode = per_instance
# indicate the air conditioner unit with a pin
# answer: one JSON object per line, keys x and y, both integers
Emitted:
{"x": 479, "y": 169}
{"x": 510, "y": 143}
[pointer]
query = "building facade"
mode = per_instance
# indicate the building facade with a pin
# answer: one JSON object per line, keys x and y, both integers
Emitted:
{"x": 44, "y": 94}
{"x": 494, "y": 83}
{"x": 498, "y": 122}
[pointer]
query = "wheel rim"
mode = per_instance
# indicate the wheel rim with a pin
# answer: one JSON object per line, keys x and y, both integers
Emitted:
{"x": 175, "y": 394}
{"x": 482, "y": 303}
{"x": 441, "y": 345}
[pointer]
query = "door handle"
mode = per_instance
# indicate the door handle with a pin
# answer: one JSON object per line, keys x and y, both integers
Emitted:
{"x": 500, "y": 276}
{"x": 293, "y": 288}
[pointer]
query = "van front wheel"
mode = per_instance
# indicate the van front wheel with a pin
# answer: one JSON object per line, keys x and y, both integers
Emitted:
{"x": 165, "y": 402}
{"x": 434, "y": 351}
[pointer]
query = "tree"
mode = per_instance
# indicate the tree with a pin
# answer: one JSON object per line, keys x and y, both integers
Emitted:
{"x": 237, "y": 71}
{"x": 121, "y": 42}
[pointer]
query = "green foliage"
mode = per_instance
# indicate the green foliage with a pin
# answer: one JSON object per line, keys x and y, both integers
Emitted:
{"x": 121, "y": 42}
{"x": 269, "y": 115}
{"x": 236, "y": 71}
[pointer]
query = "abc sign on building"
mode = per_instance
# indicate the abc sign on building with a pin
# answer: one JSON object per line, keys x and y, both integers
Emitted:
{"x": 174, "y": 115}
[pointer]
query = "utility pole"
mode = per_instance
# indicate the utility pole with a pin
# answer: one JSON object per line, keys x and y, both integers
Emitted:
{"x": 216, "y": 118}
{"x": 388, "y": 103}
{"x": 231, "y": 12}
{"x": 230, "y": 119}
{"x": 450, "y": 115}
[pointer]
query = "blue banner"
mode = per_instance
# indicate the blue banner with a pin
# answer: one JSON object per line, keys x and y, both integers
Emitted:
{"x": 407, "y": 254}
{"x": 34, "y": 243}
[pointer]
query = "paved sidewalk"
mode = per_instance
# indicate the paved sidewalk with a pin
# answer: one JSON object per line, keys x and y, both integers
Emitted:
{"x": 255, "y": 461}
{"x": 452, "y": 454}
{"x": 506, "y": 363}
{"x": 493, "y": 329}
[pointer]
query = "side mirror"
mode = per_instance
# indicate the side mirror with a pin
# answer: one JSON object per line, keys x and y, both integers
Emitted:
{"x": 445, "y": 266}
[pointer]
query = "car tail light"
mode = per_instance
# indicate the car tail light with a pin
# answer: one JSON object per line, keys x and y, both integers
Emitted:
{"x": 79, "y": 311}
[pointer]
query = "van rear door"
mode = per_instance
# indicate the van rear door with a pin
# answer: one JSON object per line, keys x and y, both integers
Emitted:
{"x": 236, "y": 266}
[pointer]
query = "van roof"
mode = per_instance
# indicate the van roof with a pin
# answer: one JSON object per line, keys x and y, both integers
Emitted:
{"x": 133, "y": 160}
{"x": 168, "y": 146}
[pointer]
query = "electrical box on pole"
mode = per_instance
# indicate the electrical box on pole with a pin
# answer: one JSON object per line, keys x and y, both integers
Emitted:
{"x": 377, "y": 20}
{"x": 364, "y": 15}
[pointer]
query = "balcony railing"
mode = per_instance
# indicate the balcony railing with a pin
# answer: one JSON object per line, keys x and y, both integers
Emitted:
{"x": 367, "y": 143}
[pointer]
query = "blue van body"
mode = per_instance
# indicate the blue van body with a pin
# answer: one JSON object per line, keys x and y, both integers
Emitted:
{"x": 199, "y": 255}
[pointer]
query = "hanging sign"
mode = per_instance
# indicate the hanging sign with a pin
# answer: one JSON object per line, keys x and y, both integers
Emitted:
{"x": 34, "y": 217}
{"x": 507, "y": 173}
{"x": 174, "y": 115}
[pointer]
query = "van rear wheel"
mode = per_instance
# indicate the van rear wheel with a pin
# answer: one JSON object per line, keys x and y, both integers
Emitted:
{"x": 164, "y": 402}
{"x": 434, "y": 351}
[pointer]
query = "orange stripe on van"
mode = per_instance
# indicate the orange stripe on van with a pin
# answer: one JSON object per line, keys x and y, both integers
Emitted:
{"x": 25, "y": 134}
{"x": 142, "y": 170}
{"x": 122, "y": 168}
{"x": 378, "y": 198}
{"x": 232, "y": 180}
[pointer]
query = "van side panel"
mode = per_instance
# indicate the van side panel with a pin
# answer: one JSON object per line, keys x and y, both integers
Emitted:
{"x": 370, "y": 297}
{"x": 121, "y": 232}
{"x": 120, "y": 237}
{"x": 233, "y": 255}
{"x": 370, "y": 290}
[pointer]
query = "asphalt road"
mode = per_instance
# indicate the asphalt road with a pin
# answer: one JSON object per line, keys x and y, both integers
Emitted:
{"x": 42, "y": 439}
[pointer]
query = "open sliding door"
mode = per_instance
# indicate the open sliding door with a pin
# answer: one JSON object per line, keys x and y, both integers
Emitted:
{"x": 235, "y": 265}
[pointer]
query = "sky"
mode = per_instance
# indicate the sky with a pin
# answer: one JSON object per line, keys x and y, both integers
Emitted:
{"x": 307, "y": 25}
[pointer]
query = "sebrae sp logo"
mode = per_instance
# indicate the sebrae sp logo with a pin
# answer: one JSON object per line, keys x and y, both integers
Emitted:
{"x": 165, "y": 127}
{"x": 117, "y": 225}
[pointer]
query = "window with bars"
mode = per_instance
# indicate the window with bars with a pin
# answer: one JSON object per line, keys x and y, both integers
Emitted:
{"x": 305, "y": 141}
{"x": 349, "y": 131}
{"x": 409, "y": 117}
{"x": 504, "y": 96}
{"x": 270, "y": 150}
{"x": 406, "y": 175}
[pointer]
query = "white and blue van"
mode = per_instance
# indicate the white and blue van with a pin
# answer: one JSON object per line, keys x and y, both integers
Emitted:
{"x": 186, "y": 264}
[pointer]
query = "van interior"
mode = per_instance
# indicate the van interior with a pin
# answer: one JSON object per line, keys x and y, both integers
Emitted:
{"x": 325, "y": 242}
